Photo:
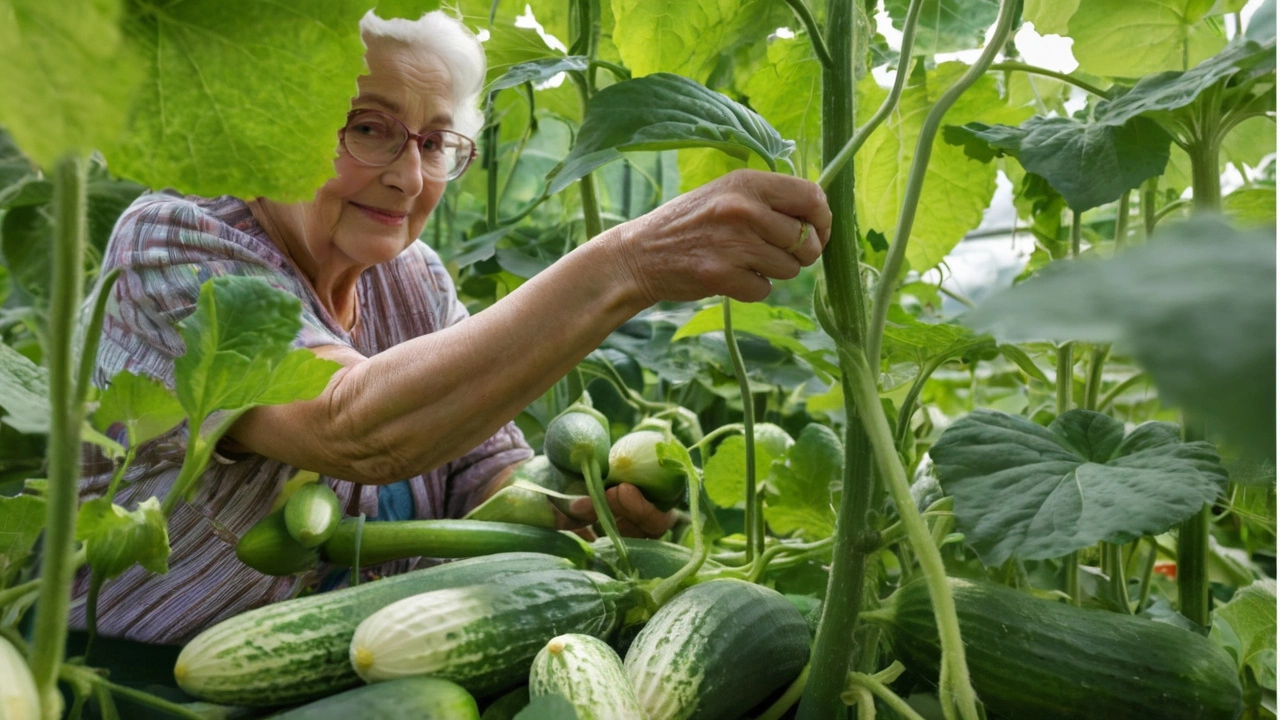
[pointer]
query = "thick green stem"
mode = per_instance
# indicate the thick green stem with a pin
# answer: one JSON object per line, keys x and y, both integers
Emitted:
{"x": 585, "y": 44}
{"x": 490, "y": 161}
{"x": 670, "y": 586}
{"x": 915, "y": 179}
{"x": 837, "y": 163}
{"x": 1064, "y": 77}
{"x": 78, "y": 674}
{"x": 1122, "y": 219}
{"x": 1066, "y": 376}
{"x": 1120, "y": 387}
{"x": 1147, "y": 203}
{"x": 93, "y": 334}
{"x": 954, "y": 688}
{"x": 1193, "y": 568}
{"x": 1119, "y": 584}
{"x": 199, "y": 453}
{"x": 1072, "y": 570}
{"x": 65, "y": 418}
{"x": 846, "y": 322}
{"x": 1144, "y": 589}
{"x": 755, "y": 539}
{"x": 872, "y": 685}
{"x": 595, "y": 488}
{"x": 1075, "y": 233}
{"x": 811, "y": 28}
{"x": 909, "y": 402}
{"x": 1097, "y": 361}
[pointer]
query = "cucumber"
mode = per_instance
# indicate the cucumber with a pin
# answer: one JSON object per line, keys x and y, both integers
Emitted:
{"x": 587, "y": 672}
{"x": 716, "y": 650}
{"x": 395, "y": 540}
{"x": 516, "y": 505}
{"x": 650, "y": 558}
{"x": 541, "y": 472}
{"x": 484, "y": 637}
{"x": 269, "y": 548}
{"x": 297, "y": 650}
{"x": 18, "y": 697}
{"x": 421, "y": 698}
{"x": 312, "y": 514}
{"x": 634, "y": 459}
{"x": 575, "y": 437}
{"x": 1034, "y": 658}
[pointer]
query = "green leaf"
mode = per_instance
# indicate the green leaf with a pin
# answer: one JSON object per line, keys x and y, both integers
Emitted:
{"x": 16, "y": 170}
{"x": 117, "y": 538}
{"x": 24, "y": 392}
{"x": 21, "y": 522}
{"x": 408, "y": 9}
{"x": 239, "y": 353}
{"x": 1050, "y": 16}
{"x": 689, "y": 38}
{"x": 146, "y": 407}
{"x": 70, "y": 73}
{"x": 1022, "y": 490}
{"x": 1132, "y": 39}
{"x": 800, "y": 491}
{"x": 243, "y": 102}
{"x": 26, "y": 239}
{"x": 1089, "y": 163}
{"x": 780, "y": 326}
{"x": 537, "y": 71}
{"x": 956, "y": 192}
{"x": 946, "y": 25}
{"x": 509, "y": 47}
{"x": 548, "y": 707}
{"x": 787, "y": 92}
{"x": 1251, "y": 615}
{"x": 699, "y": 166}
{"x": 1017, "y": 356}
{"x": 1251, "y": 207}
{"x": 907, "y": 340}
{"x": 1196, "y": 309}
{"x": 1262, "y": 26}
{"x": 664, "y": 112}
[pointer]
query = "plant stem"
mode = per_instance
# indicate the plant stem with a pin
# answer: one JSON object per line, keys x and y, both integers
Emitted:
{"x": 595, "y": 488}
{"x": 668, "y": 587}
{"x": 1147, "y": 203}
{"x": 811, "y": 28}
{"x": 1119, "y": 584}
{"x": 915, "y": 179}
{"x": 1122, "y": 220}
{"x": 723, "y": 430}
{"x": 1072, "y": 571}
{"x": 1144, "y": 590}
{"x": 75, "y": 673}
{"x": 1075, "y": 233}
{"x": 1065, "y": 379}
{"x": 65, "y": 418}
{"x": 585, "y": 44}
{"x": 755, "y": 541}
{"x": 1120, "y": 387}
{"x": 882, "y": 691}
{"x": 836, "y": 164}
{"x": 846, "y": 322}
{"x": 1064, "y": 77}
{"x": 491, "y": 168}
{"x": 93, "y": 334}
{"x": 788, "y": 698}
{"x": 955, "y": 668}
{"x": 1097, "y": 361}
{"x": 1193, "y": 566}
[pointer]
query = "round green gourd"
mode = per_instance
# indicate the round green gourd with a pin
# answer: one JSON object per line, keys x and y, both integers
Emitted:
{"x": 269, "y": 548}
{"x": 420, "y": 698}
{"x": 312, "y": 514}
{"x": 574, "y": 438}
{"x": 587, "y": 672}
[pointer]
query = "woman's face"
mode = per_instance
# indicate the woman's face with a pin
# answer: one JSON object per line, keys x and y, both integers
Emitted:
{"x": 371, "y": 214}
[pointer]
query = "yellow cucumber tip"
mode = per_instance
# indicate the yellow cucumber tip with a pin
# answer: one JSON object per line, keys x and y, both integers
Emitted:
{"x": 363, "y": 658}
{"x": 556, "y": 646}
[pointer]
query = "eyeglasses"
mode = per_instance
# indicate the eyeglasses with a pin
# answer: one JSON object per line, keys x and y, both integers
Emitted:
{"x": 377, "y": 139}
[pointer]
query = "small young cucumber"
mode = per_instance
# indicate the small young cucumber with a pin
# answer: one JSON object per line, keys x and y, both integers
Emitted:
{"x": 634, "y": 459}
{"x": 516, "y": 505}
{"x": 420, "y": 698}
{"x": 576, "y": 437}
{"x": 312, "y": 514}
{"x": 269, "y": 548}
{"x": 398, "y": 539}
{"x": 587, "y": 672}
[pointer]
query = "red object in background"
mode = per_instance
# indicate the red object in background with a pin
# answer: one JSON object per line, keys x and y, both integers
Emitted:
{"x": 1168, "y": 569}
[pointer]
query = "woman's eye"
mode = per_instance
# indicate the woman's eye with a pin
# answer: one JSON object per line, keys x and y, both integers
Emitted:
{"x": 432, "y": 145}
{"x": 369, "y": 129}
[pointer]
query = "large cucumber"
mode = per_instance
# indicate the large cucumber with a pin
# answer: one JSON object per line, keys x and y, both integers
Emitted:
{"x": 395, "y": 540}
{"x": 1034, "y": 658}
{"x": 588, "y": 673}
{"x": 420, "y": 698}
{"x": 297, "y": 650}
{"x": 650, "y": 558}
{"x": 484, "y": 637}
{"x": 716, "y": 650}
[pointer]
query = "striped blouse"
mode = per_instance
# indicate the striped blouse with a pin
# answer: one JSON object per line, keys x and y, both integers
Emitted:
{"x": 166, "y": 245}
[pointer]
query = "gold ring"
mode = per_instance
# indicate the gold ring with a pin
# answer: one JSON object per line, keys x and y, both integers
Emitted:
{"x": 804, "y": 235}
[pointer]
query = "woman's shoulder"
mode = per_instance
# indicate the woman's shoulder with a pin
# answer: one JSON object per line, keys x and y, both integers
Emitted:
{"x": 169, "y": 223}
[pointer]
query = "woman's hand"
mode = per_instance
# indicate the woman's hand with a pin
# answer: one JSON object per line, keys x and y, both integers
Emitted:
{"x": 636, "y": 516}
{"x": 727, "y": 237}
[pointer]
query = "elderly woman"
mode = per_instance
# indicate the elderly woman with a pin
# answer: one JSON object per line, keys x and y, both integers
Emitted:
{"x": 417, "y": 422}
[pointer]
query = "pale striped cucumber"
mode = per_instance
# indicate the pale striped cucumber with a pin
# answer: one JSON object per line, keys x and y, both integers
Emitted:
{"x": 18, "y": 697}
{"x": 420, "y": 698}
{"x": 296, "y": 650}
{"x": 484, "y": 637}
{"x": 587, "y": 672}
{"x": 716, "y": 650}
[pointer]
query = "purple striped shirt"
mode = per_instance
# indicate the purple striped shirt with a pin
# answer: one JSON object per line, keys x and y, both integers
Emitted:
{"x": 166, "y": 245}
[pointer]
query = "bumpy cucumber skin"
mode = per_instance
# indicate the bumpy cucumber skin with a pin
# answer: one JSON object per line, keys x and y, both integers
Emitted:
{"x": 1034, "y": 658}
{"x": 398, "y": 539}
{"x": 715, "y": 651}
{"x": 573, "y": 437}
{"x": 298, "y": 650}
{"x": 420, "y": 698}
{"x": 312, "y": 514}
{"x": 587, "y": 672}
{"x": 484, "y": 637}
{"x": 269, "y": 548}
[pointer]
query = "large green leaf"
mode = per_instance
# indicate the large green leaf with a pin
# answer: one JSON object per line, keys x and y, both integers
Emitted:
{"x": 244, "y": 101}
{"x": 800, "y": 491}
{"x": 69, "y": 75}
{"x": 146, "y": 407}
{"x": 1139, "y": 37}
{"x": 1251, "y": 207}
{"x": 116, "y": 538}
{"x": 780, "y": 326}
{"x": 1050, "y": 17}
{"x": 1262, "y": 26}
{"x": 1089, "y": 163}
{"x": 663, "y": 112}
{"x": 16, "y": 170}
{"x": 408, "y": 9}
{"x": 946, "y": 25}
{"x": 21, "y": 521}
{"x": 24, "y": 392}
{"x": 26, "y": 240}
{"x": 906, "y": 339}
{"x": 787, "y": 92}
{"x": 239, "y": 353}
{"x": 956, "y": 192}
{"x": 1196, "y": 308}
{"x": 689, "y": 38}
{"x": 537, "y": 71}
{"x": 1250, "y": 630}
{"x": 1022, "y": 490}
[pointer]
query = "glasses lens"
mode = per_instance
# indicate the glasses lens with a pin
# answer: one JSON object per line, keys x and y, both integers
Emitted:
{"x": 445, "y": 154}
{"x": 374, "y": 138}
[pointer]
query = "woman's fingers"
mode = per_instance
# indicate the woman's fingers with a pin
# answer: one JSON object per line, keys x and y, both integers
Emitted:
{"x": 635, "y": 515}
{"x": 791, "y": 196}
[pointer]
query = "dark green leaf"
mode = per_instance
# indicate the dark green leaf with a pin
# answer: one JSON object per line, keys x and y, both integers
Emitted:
{"x": 1251, "y": 615}
{"x": 106, "y": 198}
{"x": 537, "y": 71}
{"x": 26, "y": 237}
{"x": 664, "y": 112}
{"x": 117, "y": 538}
{"x": 906, "y": 339}
{"x": 781, "y": 327}
{"x": 145, "y": 406}
{"x": 946, "y": 25}
{"x": 15, "y": 169}
{"x": 548, "y": 707}
{"x": 1262, "y": 26}
{"x": 21, "y": 521}
{"x": 800, "y": 490}
{"x": 1017, "y": 356}
{"x": 1022, "y": 490}
{"x": 1196, "y": 308}
{"x": 24, "y": 392}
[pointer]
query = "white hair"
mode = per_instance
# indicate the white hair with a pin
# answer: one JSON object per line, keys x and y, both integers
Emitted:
{"x": 456, "y": 47}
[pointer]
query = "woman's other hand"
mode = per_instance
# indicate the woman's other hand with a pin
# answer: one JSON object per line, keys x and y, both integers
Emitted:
{"x": 636, "y": 516}
{"x": 728, "y": 237}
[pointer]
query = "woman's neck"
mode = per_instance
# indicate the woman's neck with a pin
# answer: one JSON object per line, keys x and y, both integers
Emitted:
{"x": 333, "y": 275}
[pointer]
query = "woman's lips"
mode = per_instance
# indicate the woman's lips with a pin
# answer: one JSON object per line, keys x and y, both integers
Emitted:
{"x": 381, "y": 216}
